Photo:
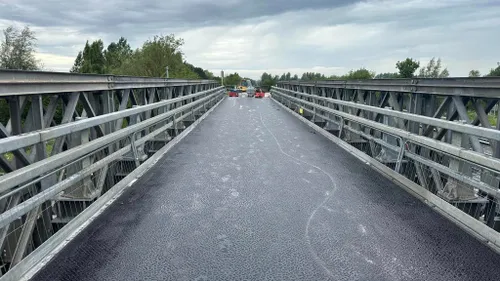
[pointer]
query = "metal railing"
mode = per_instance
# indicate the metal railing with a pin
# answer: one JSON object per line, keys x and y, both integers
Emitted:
{"x": 426, "y": 134}
{"x": 70, "y": 142}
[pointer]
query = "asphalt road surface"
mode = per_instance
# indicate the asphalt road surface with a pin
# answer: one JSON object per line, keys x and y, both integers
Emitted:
{"x": 254, "y": 194}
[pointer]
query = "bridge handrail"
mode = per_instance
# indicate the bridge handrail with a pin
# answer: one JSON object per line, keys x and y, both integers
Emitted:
{"x": 45, "y": 165}
{"x": 454, "y": 175}
{"x": 69, "y": 142}
{"x": 464, "y": 128}
{"x": 31, "y": 138}
{"x": 460, "y": 152}
{"x": 480, "y": 185}
{"x": 36, "y": 169}
{"x": 456, "y": 86}
{"x": 15, "y": 82}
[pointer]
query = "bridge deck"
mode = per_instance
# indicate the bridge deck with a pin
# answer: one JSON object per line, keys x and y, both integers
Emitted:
{"x": 254, "y": 194}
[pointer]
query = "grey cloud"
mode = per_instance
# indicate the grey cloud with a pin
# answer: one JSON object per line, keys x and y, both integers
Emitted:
{"x": 451, "y": 29}
{"x": 109, "y": 15}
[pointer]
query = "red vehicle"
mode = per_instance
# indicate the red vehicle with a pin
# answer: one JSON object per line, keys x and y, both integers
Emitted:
{"x": 233, "y": 93}
{"x": 259, "y": 93}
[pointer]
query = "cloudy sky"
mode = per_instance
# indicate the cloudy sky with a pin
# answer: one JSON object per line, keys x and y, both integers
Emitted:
{"x": 253, "y": 36}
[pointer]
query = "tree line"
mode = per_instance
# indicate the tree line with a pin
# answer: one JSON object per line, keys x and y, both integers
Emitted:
{"x": 405, "y": 69}
{"x": 150, "y": 60}
{"x": 18, "y": 49}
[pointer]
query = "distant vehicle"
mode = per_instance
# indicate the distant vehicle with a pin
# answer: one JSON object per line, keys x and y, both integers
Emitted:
{"x": 248, "y": 87}
{"x": 251, "y": 92}
{"x": 233, "y": 93}
{"x": 243, "y": 85}
{"x": 259, "y": 93}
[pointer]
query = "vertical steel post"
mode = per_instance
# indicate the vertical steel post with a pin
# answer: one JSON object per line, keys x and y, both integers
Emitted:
{"x": 400, "y": 155}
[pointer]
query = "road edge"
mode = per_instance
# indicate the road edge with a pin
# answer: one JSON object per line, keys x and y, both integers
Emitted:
{"x": 39, "y": 258}
{"x": 479, "y": 231}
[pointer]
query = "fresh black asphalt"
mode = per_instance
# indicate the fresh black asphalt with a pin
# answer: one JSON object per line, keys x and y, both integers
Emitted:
{"x": 252, "y": 193}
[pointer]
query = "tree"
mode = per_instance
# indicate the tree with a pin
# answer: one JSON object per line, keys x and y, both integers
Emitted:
{"x": 387, "y": 75}
{"x": 18, "y": 49}
{"x": 160, "y": 52}
{"x": 495, "y": 71}
{"x": 474, "y": 73}
{"x": 155, "y": 55}
{"x": 209, "y": 75}
{"x": 359, "y": 74}
{"x": 232, "y": 79}
{"x": 77, "y": 66}
{"x": 313, "y": 76}
{"x": 150, "y": 60}
{"x": 268, "y": 80}
{"x": 92, "y": 59}
{"x": 200, "y": 72}
{"x": 116, "y": 54}
{"x": 407, "y": 67}
{"x": 433, "y": 70}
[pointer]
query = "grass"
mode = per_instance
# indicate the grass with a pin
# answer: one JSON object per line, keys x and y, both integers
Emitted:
{"x": 491, "y": 118}
{"x": 49, "y": 147}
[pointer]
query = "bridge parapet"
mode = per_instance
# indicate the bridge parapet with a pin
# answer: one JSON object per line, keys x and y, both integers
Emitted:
{"x": 68, "y": 140}
{"x": 436, "y": 137}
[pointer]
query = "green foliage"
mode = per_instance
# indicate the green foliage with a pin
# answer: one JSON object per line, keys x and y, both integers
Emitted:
{"x": 407, "y": 67}
{"x": 495, "y": 71}
{"x": 209, "y": 75}
{"x": 232, "y": 79}
{"x": 116, "y": 54}
{"x": 153, "y": 57}
{"x": 474, "y": 73}
{"x": 91, "y": 60}
{"x": 77, "y": 66}
{"x": 359, "y": 74}
{"x": 18, "y": 49}
{"x": 200, "y": 72}
{"x": 150, "y": 60}
{"x": 433, "y": 70}
{"x": 286, "y": 77}
{"x": 492, "y": 119}
{"x": 387, "y": 75}
{"x": 94, "y": 59}
{"x": 4, "y": 111}
{"x": 308, "y": 76}
{"x": 268, "y": 80}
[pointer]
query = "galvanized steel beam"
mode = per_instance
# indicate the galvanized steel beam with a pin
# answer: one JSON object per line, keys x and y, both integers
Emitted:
{"x": 22, "y": 83}
{"x": 36, "y": 169}
{"x": 487, "y": 87}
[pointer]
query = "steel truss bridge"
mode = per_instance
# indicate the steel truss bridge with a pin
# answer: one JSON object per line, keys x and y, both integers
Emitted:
{"x": 108, "y": 177}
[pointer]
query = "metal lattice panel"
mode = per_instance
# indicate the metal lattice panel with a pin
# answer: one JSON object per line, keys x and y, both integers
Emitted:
{"x": 441, "y": 134}
{"x": 66, "y": 139}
